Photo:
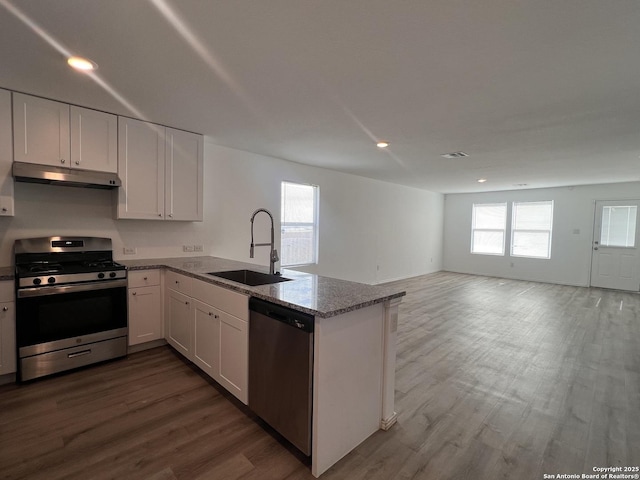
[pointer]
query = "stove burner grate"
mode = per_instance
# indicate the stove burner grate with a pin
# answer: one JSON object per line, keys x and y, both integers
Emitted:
{"x": 46, "y": 268}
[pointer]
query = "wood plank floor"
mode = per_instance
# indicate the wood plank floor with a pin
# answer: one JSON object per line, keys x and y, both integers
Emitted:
{"x": 496, "y": 379}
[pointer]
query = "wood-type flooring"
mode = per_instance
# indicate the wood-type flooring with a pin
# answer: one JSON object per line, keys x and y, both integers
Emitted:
{"x": 496, "y": 379}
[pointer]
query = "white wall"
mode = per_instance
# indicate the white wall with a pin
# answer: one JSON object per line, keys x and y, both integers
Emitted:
{"x": 46, "y": 210}
{"x": 573, "y": 211}
{"x": 363, "y": 222}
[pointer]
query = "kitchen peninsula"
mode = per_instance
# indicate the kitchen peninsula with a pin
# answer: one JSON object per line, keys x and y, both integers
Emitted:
{"x": 354, "y": 341}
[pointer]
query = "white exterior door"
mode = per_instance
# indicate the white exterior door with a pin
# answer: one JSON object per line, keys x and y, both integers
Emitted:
{"x": 615, "y": 259}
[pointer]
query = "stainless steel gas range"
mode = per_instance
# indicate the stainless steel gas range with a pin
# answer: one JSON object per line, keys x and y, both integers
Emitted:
{"x": 71, "y": 304}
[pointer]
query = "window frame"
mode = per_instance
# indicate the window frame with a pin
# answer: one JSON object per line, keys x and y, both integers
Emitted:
{"x": 314, "y": 225}
{"x": 503, "y": 230}
{"x": 602, "y": 224}
{"x": 514, "y": 230}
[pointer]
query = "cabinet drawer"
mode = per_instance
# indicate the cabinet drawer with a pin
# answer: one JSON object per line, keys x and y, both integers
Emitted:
{"x": 223, "y": 299}
{"x": 177, "y": 282}
{"x": 144, "y": 278}
{"x": 7, "y": 293}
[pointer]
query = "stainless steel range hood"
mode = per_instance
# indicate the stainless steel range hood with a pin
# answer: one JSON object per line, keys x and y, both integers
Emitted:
{"x": 30, "y": 172}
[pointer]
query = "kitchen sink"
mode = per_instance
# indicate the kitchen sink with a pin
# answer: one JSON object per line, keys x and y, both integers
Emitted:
{"x": 249, "y": 277}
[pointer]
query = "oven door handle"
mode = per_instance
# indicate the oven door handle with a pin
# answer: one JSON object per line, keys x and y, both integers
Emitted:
{"x": 78, "y": 287}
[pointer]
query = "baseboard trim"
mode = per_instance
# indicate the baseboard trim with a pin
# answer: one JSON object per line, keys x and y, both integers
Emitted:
{"x": 387, "y": 423}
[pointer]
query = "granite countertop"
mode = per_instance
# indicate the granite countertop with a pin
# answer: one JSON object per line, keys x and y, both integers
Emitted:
{"x": 7, "y": 273}
{"x": 320, "y": 296}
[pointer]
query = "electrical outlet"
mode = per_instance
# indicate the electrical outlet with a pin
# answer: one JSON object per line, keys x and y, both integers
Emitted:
{"x": 129, "y": 250}
{"x": 187, "y": 248}
{"x": 198, "y": 248}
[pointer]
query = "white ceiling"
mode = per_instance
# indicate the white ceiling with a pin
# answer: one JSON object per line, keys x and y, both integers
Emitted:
{"x": 537, "y": 92}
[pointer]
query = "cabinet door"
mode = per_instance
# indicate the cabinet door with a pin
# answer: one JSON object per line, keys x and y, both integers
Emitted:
{"x": 179, "y": 320}
{"x": 7, "y": 338}
{"x": 184, "y": 170}
{"x": 6, "y": 155}
{"x": 40, "y": 131}
{"x": 234, "y": 364}
{"x": 94, "y": 140}
{"x": 145, "y": 314}
{"x": 206, "y": 338}
{"x": 141, "y": 169}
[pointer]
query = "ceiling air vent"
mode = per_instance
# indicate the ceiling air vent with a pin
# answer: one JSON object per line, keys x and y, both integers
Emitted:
{"x": 454, "y": 155}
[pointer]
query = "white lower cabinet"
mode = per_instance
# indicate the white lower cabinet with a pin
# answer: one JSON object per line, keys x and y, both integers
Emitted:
{"x": 234, "y": 355}
{"x": 211, "y": 329}
{"x": 179, "y": 309}
{"x": 206, "y": 338}
{"x": 145, "y": 307}
{"x": 7, "y": 329}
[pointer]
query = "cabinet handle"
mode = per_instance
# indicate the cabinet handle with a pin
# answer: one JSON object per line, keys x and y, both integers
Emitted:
{"x": 145, "y": 278}
{"x": 134, "y": 293}
{"x": 62, "y": 160}
{"x": 170, "y": 215}
{"x": 186, "y": 303}
{"x": 159, "y": 214}
{"x": 210, "y": 314}
{"x": 5, "y": 309}
{"x": 177, "y": 281}
{"x": 4, "y": 209}
{"x": 77, "y": 162}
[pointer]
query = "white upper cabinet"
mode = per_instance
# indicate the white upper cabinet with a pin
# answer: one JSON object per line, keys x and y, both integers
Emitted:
{"x": 184, "y": 168}
{"x": 6, "y": 155}
{"x": 161, "y": 171}
{"x": 141, "y": 169}
{"x": 94, "y": 140}
{"x": 40, "y": 131}
{"x": 46, "y": 132}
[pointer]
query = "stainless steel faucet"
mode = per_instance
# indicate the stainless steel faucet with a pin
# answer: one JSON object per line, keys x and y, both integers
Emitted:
{"x": 273, "y": 257}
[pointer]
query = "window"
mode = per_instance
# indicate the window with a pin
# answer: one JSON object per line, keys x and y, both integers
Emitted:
{"x": 488, "y": 228}
{"x": 299, "y": 224}
{"x": 531, "y": 229}
{"x": 619, "y": 226}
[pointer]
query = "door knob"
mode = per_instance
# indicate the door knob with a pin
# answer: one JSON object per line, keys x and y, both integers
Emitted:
{"x": 595, "y": 248}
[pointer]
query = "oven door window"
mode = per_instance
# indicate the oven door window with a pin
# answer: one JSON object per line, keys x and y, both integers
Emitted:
{"x": 55, "y": 317}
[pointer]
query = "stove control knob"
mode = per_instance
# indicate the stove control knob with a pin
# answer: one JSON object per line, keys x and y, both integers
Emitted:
{"x": 37, "y": 281}
{"x": 112, "y": 274}
{"x": 51, "y": 279}
{"x": 101, "y": 275}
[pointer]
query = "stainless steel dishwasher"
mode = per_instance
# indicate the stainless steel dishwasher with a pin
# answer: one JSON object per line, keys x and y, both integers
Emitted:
{"x": 281, "y": 370}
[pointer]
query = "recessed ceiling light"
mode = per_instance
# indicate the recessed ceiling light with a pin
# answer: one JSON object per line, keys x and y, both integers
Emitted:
{"x": 382, "y": 144}
{"x": 82, "y": 64}
{"x": 482, "y": 180}
{"x": 454, "y": 155}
